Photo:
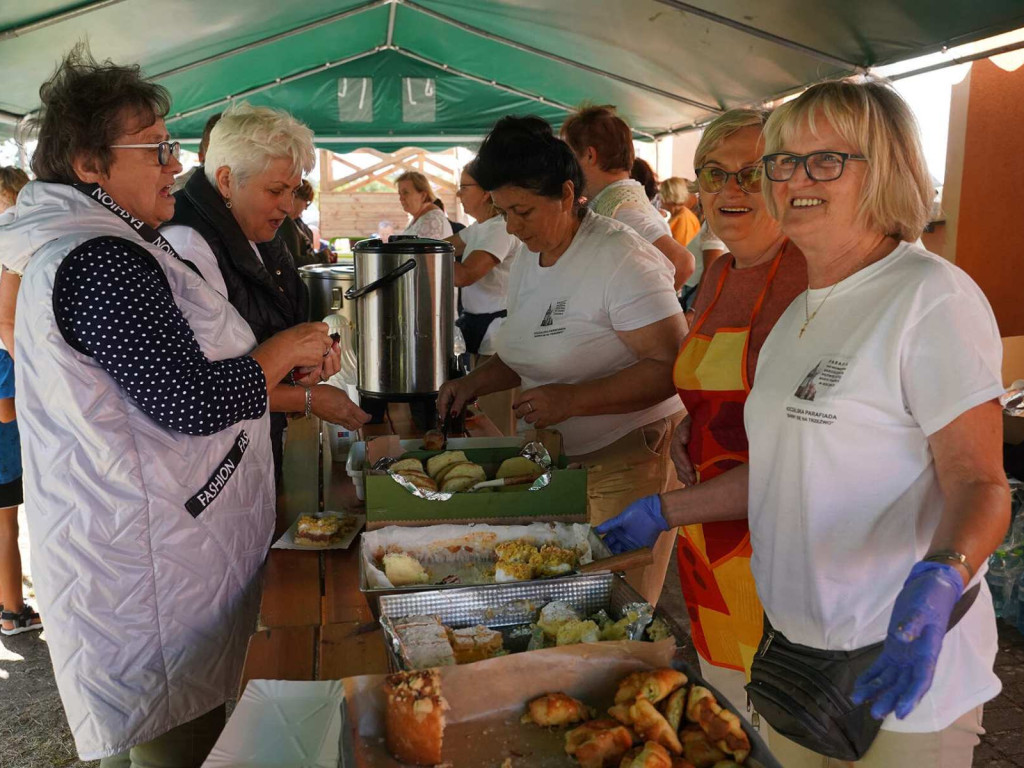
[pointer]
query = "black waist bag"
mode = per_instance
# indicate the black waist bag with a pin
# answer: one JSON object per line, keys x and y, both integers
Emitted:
{"x": 804, "y": 693}
{"x": 474, "y": 328}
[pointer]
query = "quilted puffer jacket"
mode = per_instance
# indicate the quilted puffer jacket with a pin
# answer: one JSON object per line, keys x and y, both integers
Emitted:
{"x": 147, "y": 608}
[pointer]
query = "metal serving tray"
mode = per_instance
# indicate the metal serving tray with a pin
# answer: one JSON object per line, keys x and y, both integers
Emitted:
{"x": 507, "y": 607}
{"x": 374, "y": 595}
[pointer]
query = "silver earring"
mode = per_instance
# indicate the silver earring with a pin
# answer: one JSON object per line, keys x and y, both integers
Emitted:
{"x": 227, "y": 203}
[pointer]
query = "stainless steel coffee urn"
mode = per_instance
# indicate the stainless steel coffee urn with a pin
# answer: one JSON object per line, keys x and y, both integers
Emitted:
{"x": 327, "y": 284}
{"x": 404, "y": 307}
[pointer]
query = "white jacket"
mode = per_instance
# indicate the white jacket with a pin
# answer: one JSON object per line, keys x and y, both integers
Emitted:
{"x": 147, "y": 608}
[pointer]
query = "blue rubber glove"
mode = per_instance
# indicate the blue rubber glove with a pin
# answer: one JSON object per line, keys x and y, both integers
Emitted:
{"x": 638, "y": 525}
{"x": 903, "y": 673}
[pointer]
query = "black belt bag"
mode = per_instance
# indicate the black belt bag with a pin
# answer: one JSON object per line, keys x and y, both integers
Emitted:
{"x": 804, "y": 693}
{"x": 474, "y": 328}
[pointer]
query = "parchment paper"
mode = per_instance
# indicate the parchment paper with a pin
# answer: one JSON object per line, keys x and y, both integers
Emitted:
{"x": 466, "y": 543}
{"x": 488, "y": 698}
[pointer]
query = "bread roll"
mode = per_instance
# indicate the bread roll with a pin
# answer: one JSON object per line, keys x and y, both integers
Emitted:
{"x": 519, "y": 466}
{"x": 412, "y": 465}
{"x": 599, "y": 743}
{"x": 436, "y": 463}
{"x": 555, "y": 709}
{"x": 651, "y": 755}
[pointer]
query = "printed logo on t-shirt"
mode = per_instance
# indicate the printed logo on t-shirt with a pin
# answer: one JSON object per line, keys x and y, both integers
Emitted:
{"x": 551, "y": 324}
{"x": 818, "y": 385}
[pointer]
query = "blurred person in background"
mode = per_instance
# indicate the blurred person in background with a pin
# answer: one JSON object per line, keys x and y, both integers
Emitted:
{"x": 484, "y": 254}
{"x": 675, "y": 198}
{"x": 603, "y": 145}
{"x": 182, "y": 179}
{"x": 303, "y": 241}
{"x": 418, "y": 200}
{"x": 16, "y": 616}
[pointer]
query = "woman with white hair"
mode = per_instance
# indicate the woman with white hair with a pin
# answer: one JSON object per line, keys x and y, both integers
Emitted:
{"x": 226, "y": 221}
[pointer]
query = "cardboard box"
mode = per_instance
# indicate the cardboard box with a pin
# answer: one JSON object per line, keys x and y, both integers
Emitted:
{"x": 563, "y": 500}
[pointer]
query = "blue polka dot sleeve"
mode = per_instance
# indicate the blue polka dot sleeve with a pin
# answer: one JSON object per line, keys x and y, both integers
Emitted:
{"x": 114, "y": 304}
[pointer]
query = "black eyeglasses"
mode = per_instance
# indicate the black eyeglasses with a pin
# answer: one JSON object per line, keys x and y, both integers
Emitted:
{"x": 712, "y": 179}
{"x": 467, "y": 186}
{"x": 165, "y": 150}
{"x": 819, "y": 166}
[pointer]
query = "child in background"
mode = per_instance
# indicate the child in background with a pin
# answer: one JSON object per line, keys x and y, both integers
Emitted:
{"x": 15, "y": 616}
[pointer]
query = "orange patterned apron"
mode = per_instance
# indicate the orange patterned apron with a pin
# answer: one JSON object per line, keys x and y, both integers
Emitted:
{"x": 710, "y": 374}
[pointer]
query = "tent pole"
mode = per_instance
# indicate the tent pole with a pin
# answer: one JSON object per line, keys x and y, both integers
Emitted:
{"x": 754, "y": 31}
{"x": 274, "y": 38}
{"x": 56, "y": 18}
{"x": 391, "y": 21}
{"x": 560, "y": 59}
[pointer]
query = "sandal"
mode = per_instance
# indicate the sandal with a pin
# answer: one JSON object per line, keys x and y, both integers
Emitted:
{"x": 25, "y": 620}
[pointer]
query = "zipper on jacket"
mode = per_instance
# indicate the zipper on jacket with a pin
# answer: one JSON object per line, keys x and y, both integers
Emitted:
{"x": 767, "y": 643}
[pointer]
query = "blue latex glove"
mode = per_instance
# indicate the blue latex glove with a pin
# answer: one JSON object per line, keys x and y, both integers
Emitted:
{"x": 903, "y": 673}
{"x": 638, "y": 525}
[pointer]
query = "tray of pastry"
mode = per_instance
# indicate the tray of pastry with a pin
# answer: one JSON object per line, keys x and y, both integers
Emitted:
{"x": 632, "y": 705}
{"x": 458, "y": 626}
{"x": 400, "y": 559}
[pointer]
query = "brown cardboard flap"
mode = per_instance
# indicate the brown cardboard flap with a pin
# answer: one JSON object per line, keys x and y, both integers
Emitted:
{"x": 549, "y": 438}
{"x": 379, "y": 447}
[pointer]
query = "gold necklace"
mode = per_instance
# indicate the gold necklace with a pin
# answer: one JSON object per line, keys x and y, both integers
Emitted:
{"x": 807, "y": 309}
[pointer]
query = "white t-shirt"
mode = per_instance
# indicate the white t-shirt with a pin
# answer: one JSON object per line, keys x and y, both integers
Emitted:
{"x": 433, "y": 224}
{"x": 489, "y": 293}
{"x": 704, "y": 240}
{"x": 843, "y": 496}
{"x": 193, "y": 247}
{"x": 644, "y": 219}
{"x": 562, "y": 320}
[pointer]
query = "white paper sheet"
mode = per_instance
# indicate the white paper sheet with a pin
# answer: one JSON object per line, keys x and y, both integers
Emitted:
{"x": 283, "y": 724}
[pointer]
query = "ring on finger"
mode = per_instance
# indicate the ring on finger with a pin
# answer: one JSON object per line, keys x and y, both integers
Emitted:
{"x": 529, "y": 403}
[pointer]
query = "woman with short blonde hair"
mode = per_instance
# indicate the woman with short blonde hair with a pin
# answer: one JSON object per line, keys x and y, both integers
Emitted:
{"x": 875, "y": 490}
{"x": 228, "y": 219}
{"x": 427, "y": 211}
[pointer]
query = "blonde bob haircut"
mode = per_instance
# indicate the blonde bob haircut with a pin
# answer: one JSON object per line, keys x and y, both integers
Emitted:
{"x": 724, "y": 126}
{"x": 873, "y": 119}
{"x": 419, "y": 182}
{"x": 675, "y": 190}
{"x": 248, "y": 139}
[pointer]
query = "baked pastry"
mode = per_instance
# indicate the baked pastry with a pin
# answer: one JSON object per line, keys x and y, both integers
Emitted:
{"x": 726, "y": 732}
{"x": 414, "y": 716}
{"x": 462, "y": 476}
{"x": 651, "y": 755}
{"x": 519, "y": 466}
{"x": 698, "y": 749}
{"x": 408, "y": 465}
{"x": 621, "y": 712}
{"x": 653, "y": 685}
{"x": 418, "y": 479}
{"x": 433, "y": 440}
{"x": 515, "y": 551}
{"x": 424, "y": 642}
{"x": 475, "y": 644}
{"x": 651, "y": 725}
{"x": 675, "y": 708}
{"x": 436, "y": 463}
{"x": 555, "y": 709}
{"x": 599, "y": 743}
{"x": 505, "y": 572}
{"x": 314, "y": 531}
{"x": 702, "y": 707}
{"x": 554, "y": 615}
{"x": 403, "y": 570}
{"x": 576, "y": 631}
{"x": 554, "y": 561}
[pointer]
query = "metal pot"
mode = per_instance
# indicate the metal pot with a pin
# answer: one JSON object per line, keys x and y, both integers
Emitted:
{"x": 327, "y": 284}
{"x": 404, "y": 299}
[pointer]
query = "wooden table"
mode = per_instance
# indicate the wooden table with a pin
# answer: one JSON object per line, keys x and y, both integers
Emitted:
{"x": 314, "y": 622}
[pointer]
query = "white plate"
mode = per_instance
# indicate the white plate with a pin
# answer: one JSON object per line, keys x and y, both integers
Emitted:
{"x": 283, "y": 724}
{"x": 287, "y": 541}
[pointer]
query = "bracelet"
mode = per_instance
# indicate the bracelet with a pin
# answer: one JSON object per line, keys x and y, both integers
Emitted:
{"x": 948, "y": 555}
{"x": 309, "y": 402}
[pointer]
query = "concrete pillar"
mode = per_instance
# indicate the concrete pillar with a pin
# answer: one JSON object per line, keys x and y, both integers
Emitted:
{"x": 983, "y": 196}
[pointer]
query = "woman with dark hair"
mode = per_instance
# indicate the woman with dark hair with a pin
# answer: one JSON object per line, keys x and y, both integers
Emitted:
{"x": 143, "y": 412}
{"x": 592, "y": 329}
{"x": 302, "y": 242}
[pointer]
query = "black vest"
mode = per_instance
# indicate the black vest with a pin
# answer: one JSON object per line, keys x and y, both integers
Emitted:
{"x": 270, "y": 296}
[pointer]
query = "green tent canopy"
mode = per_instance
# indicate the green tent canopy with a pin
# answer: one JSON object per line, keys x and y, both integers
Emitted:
{"x": 438, "y": 73}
